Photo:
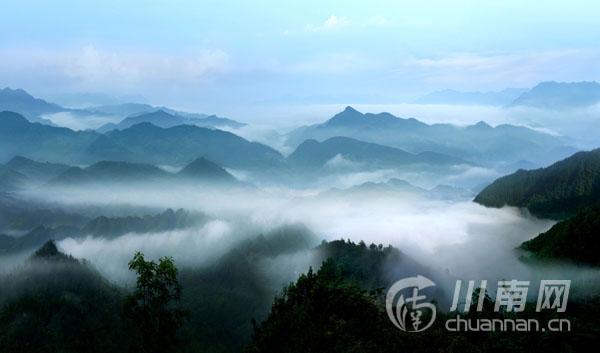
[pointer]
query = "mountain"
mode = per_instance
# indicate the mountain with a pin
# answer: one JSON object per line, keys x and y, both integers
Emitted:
{"x": 449, "y": 96}
{"x": 480, "y": 143}
{"x": 200, "y": 169}
{"x": 576, "y": 239}
{"x": 17, "y": 100}
{"x": 400, "y": 188}
{"x": 314, "y": 154}
{"x": 19, "y": 137}
{"x": 20, "y": 215}
{"x": 143, "y": 143}
{"x": 110, "y": 172}
{"x": 111, "y": 227}
{"x": 11, "y": 180}
{"x": 36, "y": 171}
{"x": 560, "y": 95}
{"x": 203, "y": 169}
{"x": 124, "y": 109}
{"x": 179, "y": 145}
{"x": 37, "y": 237}
{"x": 163, "y": 119}
{"x": 64, "y": 303}
{"x": 102, "y": 226}
{"x": 558, "y": 190}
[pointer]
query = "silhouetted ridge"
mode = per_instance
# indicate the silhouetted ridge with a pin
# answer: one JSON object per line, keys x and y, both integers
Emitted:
{"x": 559, "y": 190}
{"x": 202, "y": 168}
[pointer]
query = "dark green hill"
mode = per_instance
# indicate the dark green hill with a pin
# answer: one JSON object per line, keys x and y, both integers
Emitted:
{"x": 557, "y": 191}
{"x": 576, "y": 239}
{"x": 55, "y": 303}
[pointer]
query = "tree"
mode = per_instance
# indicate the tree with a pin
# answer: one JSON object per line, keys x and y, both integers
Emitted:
{"x": 153, "y": 306}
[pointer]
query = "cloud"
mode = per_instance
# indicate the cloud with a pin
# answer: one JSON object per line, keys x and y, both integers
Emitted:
{"x": 92, "y": 64}
{"x": 525, "y": 69}
{"x": 91, "y": 68}
{"x": 333, "y": 22}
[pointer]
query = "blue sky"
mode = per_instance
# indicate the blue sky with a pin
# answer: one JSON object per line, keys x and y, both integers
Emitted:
{"x": 205, "y": 55}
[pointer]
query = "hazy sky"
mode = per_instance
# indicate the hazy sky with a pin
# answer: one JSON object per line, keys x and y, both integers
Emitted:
{"x": 206, "y": 55}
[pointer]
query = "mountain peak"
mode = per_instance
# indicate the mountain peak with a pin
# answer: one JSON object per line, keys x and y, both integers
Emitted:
{"x": 204, "y": 169}
{"x": 13, "y": 93}
{"x": 50, "y": 252}
{"x": 482, "y": 125}
{"x": 348, "y": 116}
{"x": 20, "y": 161}
{"x": 12, "y": 119}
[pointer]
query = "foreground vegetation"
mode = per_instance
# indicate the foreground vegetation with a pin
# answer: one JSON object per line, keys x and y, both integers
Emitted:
{"x": 60, "y": 304}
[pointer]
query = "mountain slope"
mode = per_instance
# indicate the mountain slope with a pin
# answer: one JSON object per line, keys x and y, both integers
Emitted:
{"x": 576, "y": 239}
{"x": 56, "y": 303}
{"x": 560, "y": 95}
{"x": 313, "y": 154}
{"x": 19, "y": 101}
{"x": 203, "y": 169}
{"x": 142, "y": 143}
{"x": 164, "y": 119}
{"x": 182, "y": 144}
{"x": 11, "y": 180}
{"x": 561, "y": 189}
{"x": 110, "y": 172}
{"x": 34, "y": 170}
{"x": 479, "y": 143}
{"x": 19, "y": 137}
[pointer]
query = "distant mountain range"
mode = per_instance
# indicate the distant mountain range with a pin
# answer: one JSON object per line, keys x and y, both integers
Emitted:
{"x": 452, "y": 97}
{"x": 18, "y": 100}
{"x": 398, "y": 186}
{"x": 163, "y": 119}
{"x": 480, "y": 143}
{"x": 545, "y": 95}
{"x": 143, "y": 143}
{"x": 312, "y": 154}
{"x": 560, "y": 95}
{"x": 142, "y": 146}
{"x": 559, "y": 190}
{"x": 39, "y": 110}
{"x": 11, "y": 180}
{"x": 36, "y": 172}
{"x": 106, "y": 227}
{"x": 110, "y": 172}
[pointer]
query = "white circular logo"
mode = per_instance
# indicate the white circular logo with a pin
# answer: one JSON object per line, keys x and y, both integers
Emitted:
{"x": 407, "y": 307}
